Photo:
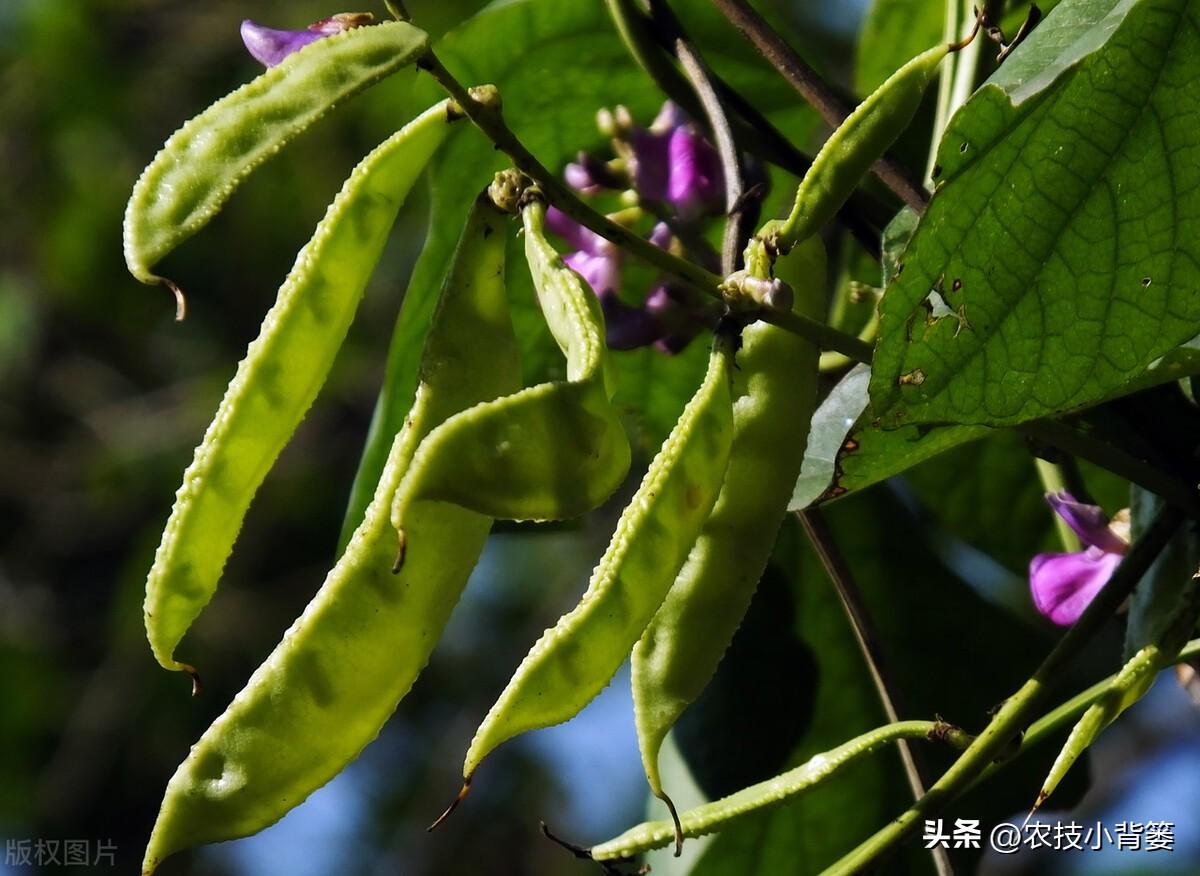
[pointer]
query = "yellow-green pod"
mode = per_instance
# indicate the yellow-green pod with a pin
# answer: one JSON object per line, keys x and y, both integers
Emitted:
{"x": 278, "y": 379}
{"x": 774, "y": 395}
{"x": 858, "y": 143}
{"x": 1130, "y": 685}
{"x": 552, "y": 451}
{"x": 339, "y": 672}
{"x": 203, "y": 162}
{"x": 573, "y": 661}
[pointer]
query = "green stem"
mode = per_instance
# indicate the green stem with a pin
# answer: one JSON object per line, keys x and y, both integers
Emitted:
{"x": 855, "y": 607}
{"x": 489, "y": 120}
{"x": 1017, "y": 709}
{"x": 832, "y": 361}
{"x": 827, "y": 338}
{"x": 1064, "y": 714}
{"x": 957, "y": 75}
{"x": 817, "y": 769}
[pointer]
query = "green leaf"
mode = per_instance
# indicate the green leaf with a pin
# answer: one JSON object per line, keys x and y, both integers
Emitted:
{"x": 837, "y": 462}
{"x": 892, "y": 32}
{"x": 1065, "y": 235}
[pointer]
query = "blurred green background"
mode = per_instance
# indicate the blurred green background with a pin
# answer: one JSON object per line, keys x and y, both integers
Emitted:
{"x": 103, "y": 397}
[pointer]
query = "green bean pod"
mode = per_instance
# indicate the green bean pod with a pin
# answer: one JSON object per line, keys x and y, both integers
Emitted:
{"x": 553, "y": 451}
{"x": 573, "y": 661}
{"x": 858, "y": 142}
{"x": 711, "y": 817}
{"x": 342, "y": 668}
{"x": 774, "y": 392}
{"x": 1127, "y": 687}
{"x": 278, "y": 379}
{"x": 202, "y": 163}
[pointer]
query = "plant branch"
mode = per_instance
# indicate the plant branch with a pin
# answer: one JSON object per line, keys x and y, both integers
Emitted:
{"x": 738, "y": 218}
{"x": 826, "y": 337}
{"x": 819, "y": 535}
{"x": 488, "y": 118}
{"x": 1007, "y": 723}
{"x": 833, "y": 109}
{"x": 490, "y": 121}
{"x": 650, "y": 43}
{"x": 1066, "y": 712}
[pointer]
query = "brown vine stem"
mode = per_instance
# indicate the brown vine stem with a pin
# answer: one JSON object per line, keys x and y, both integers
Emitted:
{"x": 838, "y": 570}
{"x": 489, "y": 119}
{"x": 738, "y": 219}
{"x": 650, "y": 43}
{"x": 832, "y": 108}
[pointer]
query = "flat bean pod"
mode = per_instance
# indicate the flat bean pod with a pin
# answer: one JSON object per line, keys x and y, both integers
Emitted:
{"x": 203, "y": 162}
{"x": 552, "y": 451}
{"x": 278, "y": 379}
{"x": 573, "y": 661}
{"x": 774, "y": 391}
{"x": 342, "y": 668}
{"x": 859, "y": 141}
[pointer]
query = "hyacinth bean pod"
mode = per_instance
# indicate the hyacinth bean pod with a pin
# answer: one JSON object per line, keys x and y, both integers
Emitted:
{"x": 774, "y": 392}
{"x": 1127, "y": 687}
{"x": 202, "y": 163}
{"x": 858, "y": 142}
{"x": 342, "y": 668}
{"x": 551, "y": 451}
{"x": 279, "y": 378}
{"x": 574, "y": 660}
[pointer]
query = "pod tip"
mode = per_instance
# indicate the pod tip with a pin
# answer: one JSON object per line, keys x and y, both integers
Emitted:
{"x": 462, "y": 793}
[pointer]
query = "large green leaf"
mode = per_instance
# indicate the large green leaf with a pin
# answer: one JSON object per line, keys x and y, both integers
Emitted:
{"x": 1065, "y": 235}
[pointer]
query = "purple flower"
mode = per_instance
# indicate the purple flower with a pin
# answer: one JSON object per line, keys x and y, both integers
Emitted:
{"x": 1064, "y": 584}
{"x": 269, "y": 46}
{"x": 672, "y": 162}
{"x": 598, "y": 261}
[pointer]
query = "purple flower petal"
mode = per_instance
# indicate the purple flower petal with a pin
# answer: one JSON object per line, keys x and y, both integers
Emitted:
{"x": 627, "y": 327}
{"x": 1089, "y": 522}
{"x": 601, "y": 271}
{"x": 579, "y": 178}
{"x": 696, "y": 180}
{"x": 269, "y": 46}
{"x": 651, "y": 164}
{"x": 670, "y": 117}
{"x": 576, "y": 236}
{"x": 661, "y": 236}
{"x": 1063, "y": 585}
{"x": 679, "y": 324}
